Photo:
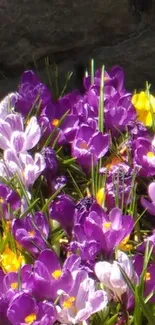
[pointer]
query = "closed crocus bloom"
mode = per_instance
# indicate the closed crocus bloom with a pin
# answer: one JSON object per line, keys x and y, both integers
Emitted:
{"x": 31, "y": 93}
{"x": 62, "y": 210}
{"x": 7, "y": 104}
{"x": 150, "y": 206}
{"x": 145, "y": 107}
{"x": 110, "y": 274}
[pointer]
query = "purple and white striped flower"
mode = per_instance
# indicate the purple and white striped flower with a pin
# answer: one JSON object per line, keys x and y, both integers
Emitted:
{"x": 82, "y": 301}
{"x": 27, "y": 168}
{"x": 13, "y": 136}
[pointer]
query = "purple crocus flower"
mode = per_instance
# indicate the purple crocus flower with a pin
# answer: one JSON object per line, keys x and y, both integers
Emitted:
{"x": 137, "y": 129}
{"x": 62, "y": 209}
{"x": 144, "y": 156}
{"x": 13, "y": 136}
{"x": 82, "y": 301}
{"x": 31, "y": 92}
{"x": 118, "y": 113}
{"x": 54, "y": 182}
{"x": 53, "y": 112}
{"x": 113, "y": 78}
{"x": 50, "y": 161}
{"x": 107, "y": 230}
{"x": 31, "y": 232}
{"x": 10, "y": 201}
{"x": 110, "y": 274}
{"x": 49, "y": 277}
{"x": 86, "y": 248}
{"x": 3, "y": 302}
{"x": 150, "y": 206}
{"x": 89, "y": 145}
{"x": 24, "y": 309}
{"x": 14, "y": 282}
{"x": 27, "y": 168}
{"x": 68, "y": 129}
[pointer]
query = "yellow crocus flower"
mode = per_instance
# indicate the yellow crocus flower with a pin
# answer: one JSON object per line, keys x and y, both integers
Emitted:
{"x": 145, "y": 107}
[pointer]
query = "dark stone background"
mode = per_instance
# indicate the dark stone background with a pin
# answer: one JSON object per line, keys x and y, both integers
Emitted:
{"x": 72, "y": 31}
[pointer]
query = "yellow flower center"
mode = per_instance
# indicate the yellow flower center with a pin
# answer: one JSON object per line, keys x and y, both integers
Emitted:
{"x": 11, "y": 262}
{"x": 31, "y": 233}
{"x": 30, "y": 318}
{"x": 83, "y": 145}
{"x": 14, "y": 285}
{"x": 57, "y": 274}
{"x": 107, "y": 225}
{"x": 69, "y": 302}
{"x": 55, "y": 122}
{"x": 147, "y": 276}
{"x": 100, "y": 196}
{"x": 150, "y": 154}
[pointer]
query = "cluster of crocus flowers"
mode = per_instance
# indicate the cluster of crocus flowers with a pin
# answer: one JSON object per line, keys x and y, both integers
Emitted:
{"x": 75, "y": 176}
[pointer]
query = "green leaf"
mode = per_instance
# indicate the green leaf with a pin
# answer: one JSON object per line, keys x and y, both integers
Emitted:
{"x": 75, "y": 184}
{"x": 29, "y": 209}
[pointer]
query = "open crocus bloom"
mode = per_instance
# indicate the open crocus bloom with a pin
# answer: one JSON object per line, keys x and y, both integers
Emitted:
{"x": 24, "y": 309}
{"x": 82, "y": 301}
{"x": 89, "y": 145}
{"x": 13, "y": 136}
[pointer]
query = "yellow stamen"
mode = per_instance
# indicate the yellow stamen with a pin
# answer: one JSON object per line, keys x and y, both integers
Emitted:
{"x": 107, "y": 225}
{"x": 30, "y": 318}
{"x": 147, "y": 276}
{"x": 55, "y": 122}
{"x": 83, "y": 145}
{"x": 150, "y": 154}
{"x": 69, "y": 303}
{"x": 31, "y": 233}
{"x": 14, "y": 285}
{"x": 57, "y": 274}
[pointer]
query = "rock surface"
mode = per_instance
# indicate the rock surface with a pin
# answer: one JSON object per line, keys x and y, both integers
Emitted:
{"x": 70, "y": 31}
